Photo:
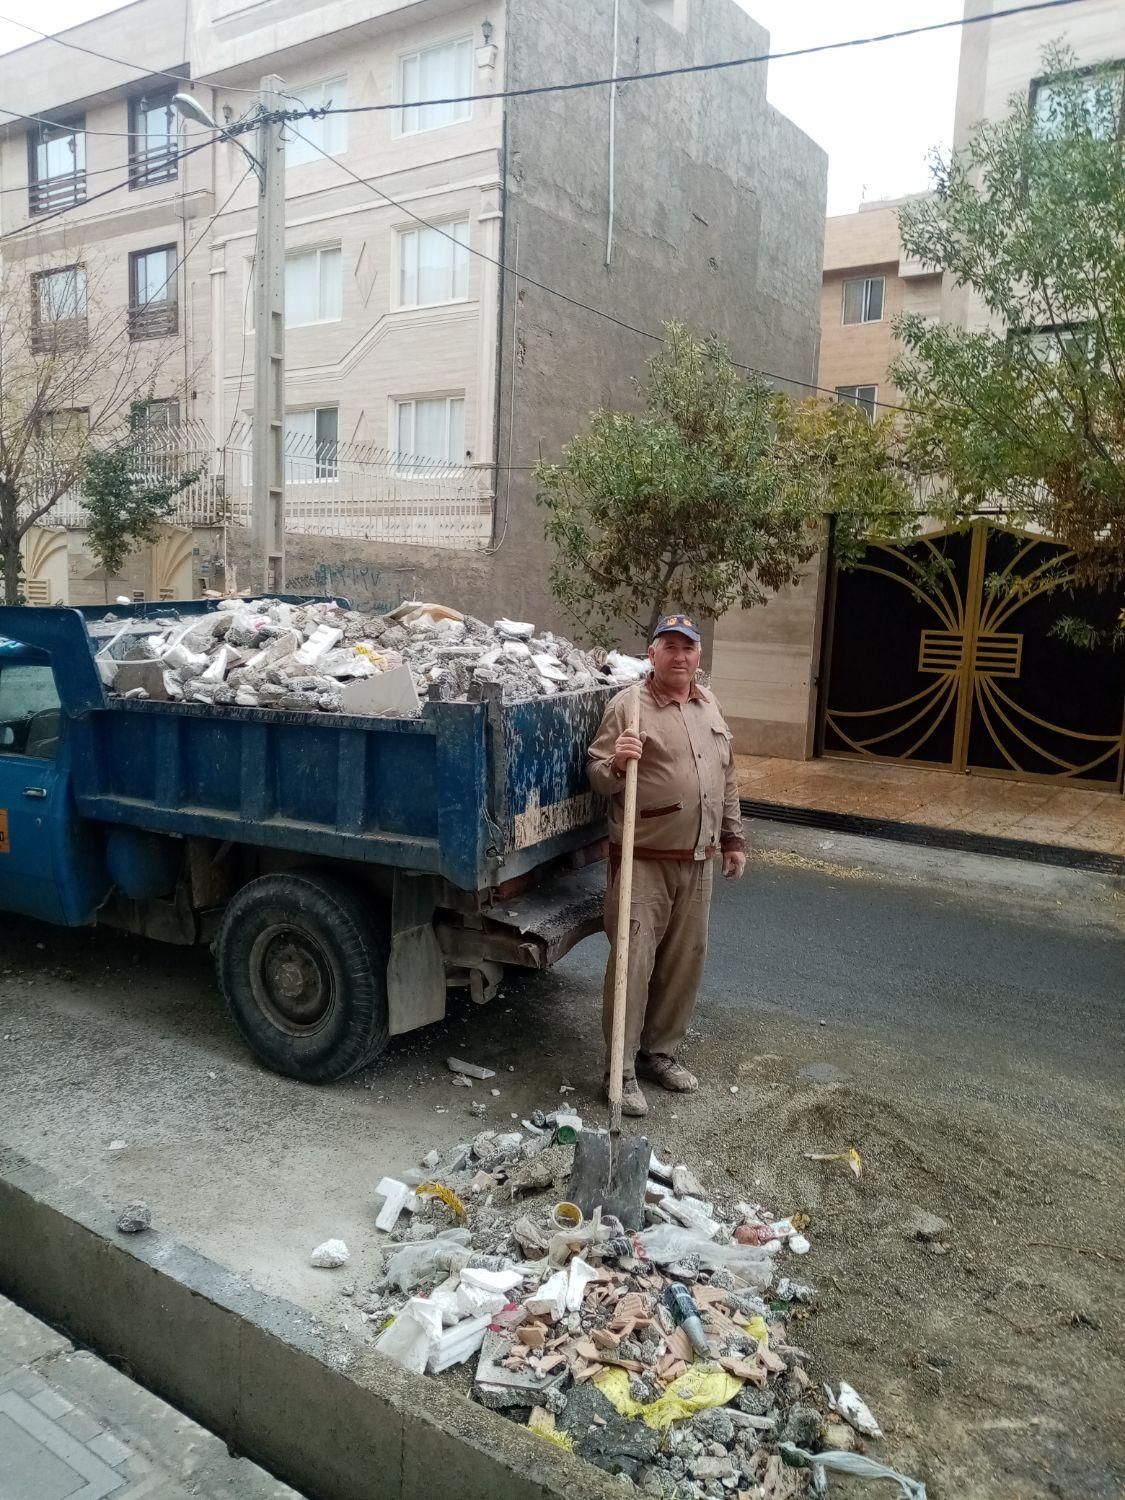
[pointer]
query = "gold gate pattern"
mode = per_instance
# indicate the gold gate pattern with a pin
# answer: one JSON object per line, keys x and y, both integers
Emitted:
{"x": 967, "y": 716}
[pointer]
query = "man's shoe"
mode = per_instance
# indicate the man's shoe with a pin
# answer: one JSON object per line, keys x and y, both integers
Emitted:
{"x": 667, "y": 1072}
{"x": 633, "y": 1102}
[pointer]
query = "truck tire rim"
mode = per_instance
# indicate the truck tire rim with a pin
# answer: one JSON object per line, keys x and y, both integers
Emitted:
{"x": 291, "y": 980}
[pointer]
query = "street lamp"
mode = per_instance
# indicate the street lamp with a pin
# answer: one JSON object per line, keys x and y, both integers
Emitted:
{"x": 191, "y": 109}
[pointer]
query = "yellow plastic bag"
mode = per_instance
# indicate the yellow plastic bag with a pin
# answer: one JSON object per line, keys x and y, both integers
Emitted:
{"x": 756, "y": 1328}
{"x": 696, "y": 1390}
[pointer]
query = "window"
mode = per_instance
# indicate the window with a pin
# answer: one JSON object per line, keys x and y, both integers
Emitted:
{"x": 56, "y": 167}
{"x": 444, "y": 72}
{"x": 1094, "y": 95}
{"x": 58, "y": 309}
{"x": 431, "y": 432}
{"x": 863, "y": 299}
{"x": 863, "y": 396}
{"x": 433, "y": 265}
{"x": 665, "y": 9}
{"x": 1073, "y": 342}
{"x": 153, "y": 309}
{"x": 313, "y": 292}
{"x": 154, "y": 416}
{"x": 330, "y": 134}
{"x": 152, "y": 141}
{"x": 29, "y": 711}
{"x": 311, "y": 445}
{"x": 66, "y": 427}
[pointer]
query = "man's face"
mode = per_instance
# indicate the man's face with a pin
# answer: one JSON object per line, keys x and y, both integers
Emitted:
{"x": 675, "y": 659}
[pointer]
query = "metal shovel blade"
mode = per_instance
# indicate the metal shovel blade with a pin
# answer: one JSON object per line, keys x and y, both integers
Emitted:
{"x": 612, "y": 1174}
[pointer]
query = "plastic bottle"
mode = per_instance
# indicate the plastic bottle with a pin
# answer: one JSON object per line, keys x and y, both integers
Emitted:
{"x": 679, "y": 1302}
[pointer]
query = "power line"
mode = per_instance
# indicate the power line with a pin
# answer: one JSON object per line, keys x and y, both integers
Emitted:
{"x": 542, "y": 286}
{"x": 686, "y": 70}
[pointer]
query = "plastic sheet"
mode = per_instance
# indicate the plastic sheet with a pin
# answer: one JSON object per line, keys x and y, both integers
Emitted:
{"x": 667, "y": 1243}
{"x": 697, "y": 1390}
{"x": 855, "y": 1465}
{"x": 412, "y": 1264}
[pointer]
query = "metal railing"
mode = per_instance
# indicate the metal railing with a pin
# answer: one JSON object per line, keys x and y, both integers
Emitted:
{"x": 48, "y": 193}
{"x": 344, "y": 490}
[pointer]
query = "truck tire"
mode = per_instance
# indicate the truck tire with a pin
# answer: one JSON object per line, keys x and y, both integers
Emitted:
{"x": 302, "y": 961}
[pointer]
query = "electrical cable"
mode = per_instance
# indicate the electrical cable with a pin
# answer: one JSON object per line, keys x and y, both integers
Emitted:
{"x": 689, "y": 69}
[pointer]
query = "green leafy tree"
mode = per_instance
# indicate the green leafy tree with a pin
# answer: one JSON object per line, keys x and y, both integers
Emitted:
{"x": 125, "y": 504}
{"x": 713, "y": 495}
{"x": 1027, "y": 415}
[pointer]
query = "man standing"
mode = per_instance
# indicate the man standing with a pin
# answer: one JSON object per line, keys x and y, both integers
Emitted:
{"x": 687, "y": 813}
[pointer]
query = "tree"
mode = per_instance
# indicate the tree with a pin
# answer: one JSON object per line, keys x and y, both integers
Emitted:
{"x": 124, "y": 504}
{"x": 1027, "y": 415}
{"x": 713, "y": 495}
{"x": 68, "y": 373}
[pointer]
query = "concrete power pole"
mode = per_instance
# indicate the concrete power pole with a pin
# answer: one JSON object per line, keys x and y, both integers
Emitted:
{"x": 267, "y": 516}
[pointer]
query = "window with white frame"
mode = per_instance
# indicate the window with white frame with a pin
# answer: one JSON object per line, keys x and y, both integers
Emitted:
{"x": 329, "y": 134}
{"x": 430, "y": 431}
{"x": 444, "y": 72}
{"x": 311, "y": 445}
{"x": 313, "y": 288}
{"x": 863, "y": 396}
{"x": 863, "y": 299}
{"x": 433, "y": 265}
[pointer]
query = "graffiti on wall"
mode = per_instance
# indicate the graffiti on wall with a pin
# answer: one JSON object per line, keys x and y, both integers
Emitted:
{"x": 362, "y": 583}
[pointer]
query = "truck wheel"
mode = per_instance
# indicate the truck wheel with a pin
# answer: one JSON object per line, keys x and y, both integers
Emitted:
{"x": 302, "y": 962}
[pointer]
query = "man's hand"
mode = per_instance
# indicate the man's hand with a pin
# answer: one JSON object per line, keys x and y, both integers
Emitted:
{"x": 734, "y": 864}
{"x": 627, "y": 748}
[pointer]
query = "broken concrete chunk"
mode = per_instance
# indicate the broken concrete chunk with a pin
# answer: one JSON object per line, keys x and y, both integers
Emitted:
{"x": 134, "y": 1218}
{"x": 471, "y": 1070}
{"x": 394, "y": 1194}
{"x": 329, "y": 1255}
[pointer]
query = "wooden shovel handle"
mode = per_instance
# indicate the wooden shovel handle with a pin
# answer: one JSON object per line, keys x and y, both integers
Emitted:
{"x": 624, "y": 914}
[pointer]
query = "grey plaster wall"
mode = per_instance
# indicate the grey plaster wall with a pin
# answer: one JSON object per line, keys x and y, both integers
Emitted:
{"x": 719, "y": 223}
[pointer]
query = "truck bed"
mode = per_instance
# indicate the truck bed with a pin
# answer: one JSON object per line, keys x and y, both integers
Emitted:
{"x": 478, "y": 793}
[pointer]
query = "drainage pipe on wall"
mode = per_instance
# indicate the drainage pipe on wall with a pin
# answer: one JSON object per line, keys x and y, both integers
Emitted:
{"x": 612, "y": 134}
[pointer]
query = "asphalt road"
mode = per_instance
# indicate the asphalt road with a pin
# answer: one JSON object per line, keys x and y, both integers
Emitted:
{"x": 962, "y": 1018}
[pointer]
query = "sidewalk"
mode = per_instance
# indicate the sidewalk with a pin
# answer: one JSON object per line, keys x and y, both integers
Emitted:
{"x": 74, "y": 1428}
{"x": 1043, "y": 813}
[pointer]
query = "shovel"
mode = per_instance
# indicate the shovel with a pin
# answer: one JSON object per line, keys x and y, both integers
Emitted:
{"x": 609, "y": 1171}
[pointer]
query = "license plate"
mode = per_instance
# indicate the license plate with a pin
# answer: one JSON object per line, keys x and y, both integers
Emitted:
{"x": 5, "y": 846}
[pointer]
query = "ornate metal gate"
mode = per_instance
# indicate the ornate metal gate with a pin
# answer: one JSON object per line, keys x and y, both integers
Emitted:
{"x": 943, "y": 653}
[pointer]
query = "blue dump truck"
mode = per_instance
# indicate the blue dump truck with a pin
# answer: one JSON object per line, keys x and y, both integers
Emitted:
{"x": 346, "y": 871}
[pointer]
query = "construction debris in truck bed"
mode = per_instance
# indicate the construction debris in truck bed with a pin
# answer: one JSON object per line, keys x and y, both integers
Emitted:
{"x": 315, "y": 657}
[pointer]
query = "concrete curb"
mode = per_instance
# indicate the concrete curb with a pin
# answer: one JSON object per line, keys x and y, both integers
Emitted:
{"x": 1064, "y": 856}
{"x": 258, "y": 1371}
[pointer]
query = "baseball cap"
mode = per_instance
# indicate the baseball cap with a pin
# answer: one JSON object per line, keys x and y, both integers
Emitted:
{"x": 679, "y": 624}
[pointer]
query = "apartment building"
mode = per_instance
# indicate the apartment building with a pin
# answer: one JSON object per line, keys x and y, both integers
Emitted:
{"x": 869, "y": 280}
{"x": 446, "y": 262}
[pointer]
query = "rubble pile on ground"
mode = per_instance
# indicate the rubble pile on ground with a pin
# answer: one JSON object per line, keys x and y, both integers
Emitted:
{"x": 668, "y": 1355}
{"x": 266, "y": 653}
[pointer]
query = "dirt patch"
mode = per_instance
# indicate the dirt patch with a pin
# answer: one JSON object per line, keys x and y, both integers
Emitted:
{"x": 995, "y": 1369}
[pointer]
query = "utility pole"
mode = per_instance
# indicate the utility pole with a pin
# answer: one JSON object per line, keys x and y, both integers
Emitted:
{"x": 267, "y": 515}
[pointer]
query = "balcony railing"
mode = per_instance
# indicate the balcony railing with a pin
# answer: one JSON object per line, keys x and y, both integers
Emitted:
{"x": 153, "y": 320}
{"x": 146, "y": 168}
{"x": 57, "y": 335}
{"x": 50, "y": 193}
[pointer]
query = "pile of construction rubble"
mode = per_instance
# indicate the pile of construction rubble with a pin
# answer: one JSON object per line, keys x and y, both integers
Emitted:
{"x": 319, "y": 657}
{"x": 668, "y": 1355}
